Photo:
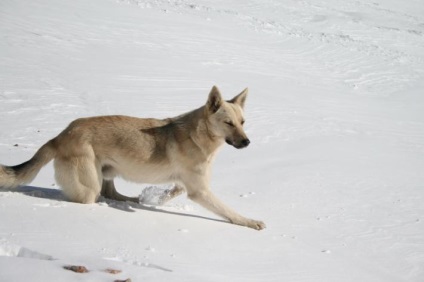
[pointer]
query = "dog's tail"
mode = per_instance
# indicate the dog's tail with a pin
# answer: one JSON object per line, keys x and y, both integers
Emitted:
{"x": 13, "y": 176}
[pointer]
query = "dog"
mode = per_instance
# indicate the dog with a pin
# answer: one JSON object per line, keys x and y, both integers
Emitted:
{"x": 91, "y": 152}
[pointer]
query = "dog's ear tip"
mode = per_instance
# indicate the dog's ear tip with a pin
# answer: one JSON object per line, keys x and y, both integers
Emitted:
{"x": 240, "y": 99}
{"x": 215, "y": 89}
{"x": 214, "y": 100}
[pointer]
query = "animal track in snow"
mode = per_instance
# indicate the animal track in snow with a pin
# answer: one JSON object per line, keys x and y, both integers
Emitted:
{"x": 138, "y": 263}
{"x": 247, "y": 195}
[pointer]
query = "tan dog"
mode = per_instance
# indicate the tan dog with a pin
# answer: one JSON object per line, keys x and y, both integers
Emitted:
{"x": 91, "y": 152}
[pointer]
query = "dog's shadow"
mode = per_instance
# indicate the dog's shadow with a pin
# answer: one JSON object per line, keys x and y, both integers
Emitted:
{"x": 57, "y": 195}
{"x": 40, "y": 192}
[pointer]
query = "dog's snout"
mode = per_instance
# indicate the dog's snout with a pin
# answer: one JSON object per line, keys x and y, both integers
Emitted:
{"x": 245, "y": 142}
{"x": 240, "y": 144}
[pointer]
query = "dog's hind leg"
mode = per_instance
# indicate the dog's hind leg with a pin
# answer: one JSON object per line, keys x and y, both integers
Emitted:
{"x": 108, "y": 186}
{"x": 79, "y": 178}
{"x": 109, "y": 191}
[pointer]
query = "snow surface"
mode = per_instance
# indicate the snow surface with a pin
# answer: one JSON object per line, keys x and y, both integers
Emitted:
{"x": 335, "y": 115}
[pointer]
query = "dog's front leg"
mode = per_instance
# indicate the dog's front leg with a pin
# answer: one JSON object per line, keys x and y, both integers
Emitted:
{"x": 202, "y": 195}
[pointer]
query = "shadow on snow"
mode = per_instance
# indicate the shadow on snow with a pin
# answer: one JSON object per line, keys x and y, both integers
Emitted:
{"x": 56, "y": 194}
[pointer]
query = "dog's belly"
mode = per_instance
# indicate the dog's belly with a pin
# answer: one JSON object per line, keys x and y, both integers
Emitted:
{"x": 145, "y": 172}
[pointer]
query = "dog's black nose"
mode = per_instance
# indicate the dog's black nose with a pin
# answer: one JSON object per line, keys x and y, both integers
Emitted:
{"x": 245, "y": 142}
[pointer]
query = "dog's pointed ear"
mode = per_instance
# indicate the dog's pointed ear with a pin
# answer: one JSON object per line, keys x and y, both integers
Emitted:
{"x": 240, "y": 99}
{"x": 214, "y": 100}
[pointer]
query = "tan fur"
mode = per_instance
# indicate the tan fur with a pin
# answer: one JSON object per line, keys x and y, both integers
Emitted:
{"x": 91, "y": 152}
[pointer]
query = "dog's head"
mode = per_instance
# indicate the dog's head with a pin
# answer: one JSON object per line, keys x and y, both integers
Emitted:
{"x": 225, "y": 118}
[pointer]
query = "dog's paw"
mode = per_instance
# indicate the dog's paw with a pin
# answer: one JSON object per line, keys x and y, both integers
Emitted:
{"x": 256, "y": 224}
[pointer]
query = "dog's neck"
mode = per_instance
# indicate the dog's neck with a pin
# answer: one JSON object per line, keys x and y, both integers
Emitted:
{"x": 200, "y": 132}
{"x": 213, "y": 141}
{"x": 205, "y": 139}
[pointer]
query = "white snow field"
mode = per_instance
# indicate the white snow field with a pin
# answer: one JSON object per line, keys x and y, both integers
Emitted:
{"x": 335, "y": 114}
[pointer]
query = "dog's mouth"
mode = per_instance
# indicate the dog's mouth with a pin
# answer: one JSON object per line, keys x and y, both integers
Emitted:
{"x": 229, "y": 142}
{"x": 239, "y": 145}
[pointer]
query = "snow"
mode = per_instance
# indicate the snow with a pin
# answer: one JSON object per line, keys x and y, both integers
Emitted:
{"x": 335, "y": 114}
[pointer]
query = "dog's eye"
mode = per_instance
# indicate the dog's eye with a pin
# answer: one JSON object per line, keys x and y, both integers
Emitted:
{"x": 229, "y": 123}
{"x": 242, "y": 122}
